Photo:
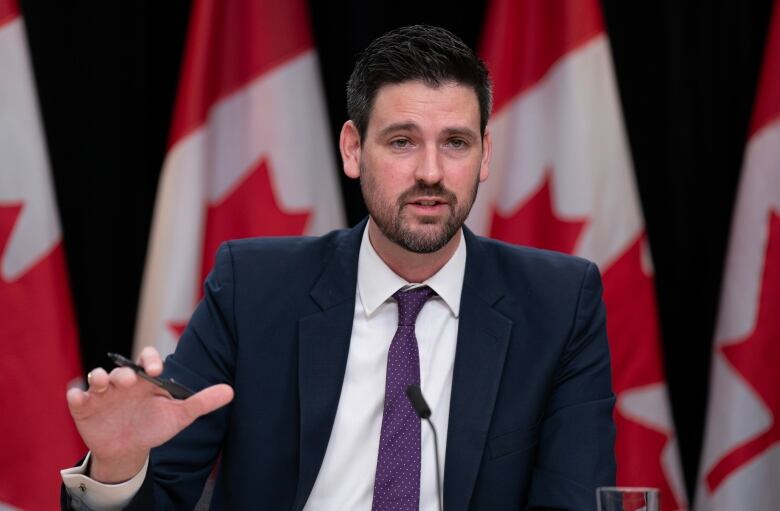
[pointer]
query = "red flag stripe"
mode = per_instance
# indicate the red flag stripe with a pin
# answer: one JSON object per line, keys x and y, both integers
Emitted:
{"x": 525, "y": 38}
{"x": 229, "y": 45}
{"x": 9, "y": 10}
{"x": 632, "y": 321}
{"x": 767, "y": 108}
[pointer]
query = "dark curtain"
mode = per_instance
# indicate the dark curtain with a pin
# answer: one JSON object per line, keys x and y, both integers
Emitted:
{"x": 107, "y": 73}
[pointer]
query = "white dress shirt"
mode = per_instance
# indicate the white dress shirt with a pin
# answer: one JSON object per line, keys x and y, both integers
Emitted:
{"x": 346, "y": 478}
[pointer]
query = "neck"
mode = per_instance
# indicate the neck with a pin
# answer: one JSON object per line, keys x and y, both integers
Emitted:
{"x": 410, "y": 266}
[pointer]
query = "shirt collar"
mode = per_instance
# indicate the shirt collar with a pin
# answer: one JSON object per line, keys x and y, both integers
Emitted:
{"x": 377, "y": 282}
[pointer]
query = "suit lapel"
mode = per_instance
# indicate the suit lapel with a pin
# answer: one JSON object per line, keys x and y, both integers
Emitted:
{"x": 323, "y": 345}
{"x": 483, "y": 338}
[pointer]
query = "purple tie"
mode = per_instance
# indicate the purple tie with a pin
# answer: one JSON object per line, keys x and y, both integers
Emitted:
{"x": 397, "y": 483}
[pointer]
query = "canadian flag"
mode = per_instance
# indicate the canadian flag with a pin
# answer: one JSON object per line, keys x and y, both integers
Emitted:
{"x": 740, "y": 468}
{"x": 562, "y": 179}
{"x": 250, "y": 152}
{"x": 38, "y": 343}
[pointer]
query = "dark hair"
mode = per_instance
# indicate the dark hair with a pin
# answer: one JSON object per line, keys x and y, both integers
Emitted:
{"x": 419, "y": 52}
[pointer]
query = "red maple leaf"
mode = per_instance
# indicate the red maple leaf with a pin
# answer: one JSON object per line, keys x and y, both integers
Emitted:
{"x": 634, "y": 343}
{"x": 250, "y": 209}
{"x": 755, "y": 358}
{"x": 38, "y": 357}
{"x": 535, "y": 224}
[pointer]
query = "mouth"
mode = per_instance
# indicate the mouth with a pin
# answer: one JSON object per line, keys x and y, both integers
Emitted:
{"x": 427, "y": 204}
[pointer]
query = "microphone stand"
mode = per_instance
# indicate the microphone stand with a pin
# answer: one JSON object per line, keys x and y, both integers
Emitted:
{"x": 423, "y": 411}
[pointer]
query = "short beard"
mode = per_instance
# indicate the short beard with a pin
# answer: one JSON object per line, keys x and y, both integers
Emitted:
{"x": 391, "y": 221}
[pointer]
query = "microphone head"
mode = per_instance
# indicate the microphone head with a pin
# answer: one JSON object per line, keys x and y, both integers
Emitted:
{"x": 415, "y": 396}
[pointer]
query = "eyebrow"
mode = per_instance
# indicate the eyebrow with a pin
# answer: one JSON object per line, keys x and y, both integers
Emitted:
{"x": 411, "y": 126}
{"x": 462, "y": 132}
{"x": 398, "y": 126}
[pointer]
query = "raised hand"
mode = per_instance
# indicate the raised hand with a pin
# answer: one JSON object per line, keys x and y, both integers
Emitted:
{"x": 121, "y": 417}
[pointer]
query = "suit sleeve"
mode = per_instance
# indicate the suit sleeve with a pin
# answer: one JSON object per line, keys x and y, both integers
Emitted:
{"x": 576, "y": 444}
{"x": 205, "y": 355}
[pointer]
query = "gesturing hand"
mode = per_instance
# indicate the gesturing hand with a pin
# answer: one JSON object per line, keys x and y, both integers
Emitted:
{"x": 121, "y": 417}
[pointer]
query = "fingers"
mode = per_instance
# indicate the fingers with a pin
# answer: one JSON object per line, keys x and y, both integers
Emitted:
{"x": 122, "y": 377}
{"x": 76, "y": 398}
{"x": 98, "y": 380}
{"x": 150, "y": 360}
{"x": 208, "y": 400}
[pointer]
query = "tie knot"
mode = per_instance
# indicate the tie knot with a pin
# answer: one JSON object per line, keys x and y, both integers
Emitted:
{"x": 410, "y": 303}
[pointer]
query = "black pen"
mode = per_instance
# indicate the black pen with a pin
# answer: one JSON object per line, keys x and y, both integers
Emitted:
{"x": 174, "y": 388}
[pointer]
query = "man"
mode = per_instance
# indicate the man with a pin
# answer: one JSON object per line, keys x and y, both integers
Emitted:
{"x": 304, "y": 346}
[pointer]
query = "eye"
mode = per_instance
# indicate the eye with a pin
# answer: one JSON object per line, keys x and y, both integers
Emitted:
{"x": 400, "y": 143}
{"x": 457, "y": 143}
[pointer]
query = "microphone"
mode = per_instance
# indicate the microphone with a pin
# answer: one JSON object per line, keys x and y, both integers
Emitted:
{"x": 423, "y": 411}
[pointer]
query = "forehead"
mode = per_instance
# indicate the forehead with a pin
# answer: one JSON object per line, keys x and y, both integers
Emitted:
{"x": 447, "y": 105}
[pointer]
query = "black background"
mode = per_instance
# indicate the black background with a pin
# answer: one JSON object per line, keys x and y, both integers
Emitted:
{"x": 686, "y": 70}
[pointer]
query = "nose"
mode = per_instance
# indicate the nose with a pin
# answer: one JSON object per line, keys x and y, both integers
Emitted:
{"x": 429, "y": 169}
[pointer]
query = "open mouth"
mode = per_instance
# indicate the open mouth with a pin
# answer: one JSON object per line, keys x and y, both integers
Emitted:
{"x": 427, "y": 204}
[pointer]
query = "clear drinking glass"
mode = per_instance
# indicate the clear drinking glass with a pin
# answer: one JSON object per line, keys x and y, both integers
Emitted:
{"x": 622, "y": 498}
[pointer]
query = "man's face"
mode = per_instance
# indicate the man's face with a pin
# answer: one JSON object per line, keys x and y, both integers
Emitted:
{"x": 421, "y": 161}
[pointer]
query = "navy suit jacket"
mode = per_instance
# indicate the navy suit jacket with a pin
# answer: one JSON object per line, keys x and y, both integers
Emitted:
{"x": 531, "y": 413}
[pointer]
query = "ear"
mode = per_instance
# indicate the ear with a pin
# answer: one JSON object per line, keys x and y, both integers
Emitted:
{"x": 487, "y": 151}
{"x": 349, "y": 145}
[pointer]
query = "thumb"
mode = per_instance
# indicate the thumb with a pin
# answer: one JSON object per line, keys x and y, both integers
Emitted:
{"x": 208, "y": 400}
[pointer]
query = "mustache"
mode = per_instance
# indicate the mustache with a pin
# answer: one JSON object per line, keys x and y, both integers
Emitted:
{"x": 423, "y": 190}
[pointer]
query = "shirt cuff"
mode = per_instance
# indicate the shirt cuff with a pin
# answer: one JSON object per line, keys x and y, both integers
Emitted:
{"x": 90, "y": 494}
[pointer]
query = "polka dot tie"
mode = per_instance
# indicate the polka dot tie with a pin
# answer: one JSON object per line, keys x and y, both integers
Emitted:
{"x": 397, "y": 483}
